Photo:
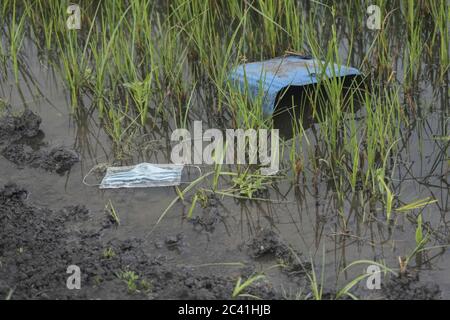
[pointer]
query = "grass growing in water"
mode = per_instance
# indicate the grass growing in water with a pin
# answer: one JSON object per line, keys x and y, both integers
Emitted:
{"x": 146, "y": 67}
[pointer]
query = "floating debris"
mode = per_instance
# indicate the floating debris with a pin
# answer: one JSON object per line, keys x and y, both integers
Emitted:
{"x": 271, "y": 77}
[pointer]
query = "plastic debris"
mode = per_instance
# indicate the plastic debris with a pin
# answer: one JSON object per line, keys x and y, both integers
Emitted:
{"x": 275, "y": 75}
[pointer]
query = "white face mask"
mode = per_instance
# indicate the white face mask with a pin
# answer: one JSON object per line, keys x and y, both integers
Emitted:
{"x": 143, "y": 175}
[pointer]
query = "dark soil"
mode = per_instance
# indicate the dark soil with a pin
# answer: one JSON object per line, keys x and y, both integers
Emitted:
{"x": 13, "y": 128}
{"x": 209, "y": 217}
{"x": 268, "y": 243}
{"x": 57, "y": 159}
{"x": 409, "y": 287}
{"x": 16, "y": 135}
{"x": 38, "y": 244}
{"x": 175, "y": 242}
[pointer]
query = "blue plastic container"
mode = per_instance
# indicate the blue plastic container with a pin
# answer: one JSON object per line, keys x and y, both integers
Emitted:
{"x": 275, "y": 75}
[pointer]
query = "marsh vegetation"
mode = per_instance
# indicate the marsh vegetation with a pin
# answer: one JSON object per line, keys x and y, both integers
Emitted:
{"x": 364, "y": 178}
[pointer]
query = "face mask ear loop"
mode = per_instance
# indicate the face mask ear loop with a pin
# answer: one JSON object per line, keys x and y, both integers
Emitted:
{"x": 87, "y": 174}
{"x": 193, "y": 166}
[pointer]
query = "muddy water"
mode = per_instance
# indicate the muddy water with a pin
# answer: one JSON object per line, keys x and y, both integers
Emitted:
{"x": 304, "y": 216}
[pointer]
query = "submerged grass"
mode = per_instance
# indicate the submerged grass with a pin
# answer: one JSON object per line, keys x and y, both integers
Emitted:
{"x": 145, "y": 64}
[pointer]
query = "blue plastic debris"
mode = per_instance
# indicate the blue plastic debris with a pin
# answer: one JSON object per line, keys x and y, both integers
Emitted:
{"x": 274, "y": 75}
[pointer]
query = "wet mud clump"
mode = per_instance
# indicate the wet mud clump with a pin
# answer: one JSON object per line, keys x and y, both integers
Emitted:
{"x": 267, "y": 243}
{"x": 37, "y": 245}
{"x": 15, "y": 133}
{"x": 210, "y": 216}
{"x": 13, "y": 128}
{"x": 409, "y": 287}
{"x": 175, "y": 242}
{"x": 57, "y": 159}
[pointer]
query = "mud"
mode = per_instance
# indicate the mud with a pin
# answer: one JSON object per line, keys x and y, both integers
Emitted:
{"x": 38, "y": 244}
{"x": 17, "y": 132}
{"x": 209, "y": 217}
{"x": 269, "y": 244}
{"x": 175, "y": 242}
{"x": 409, "y": 287}
{"x": 57, "y": 159}
{"x": 13, "y": 128}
